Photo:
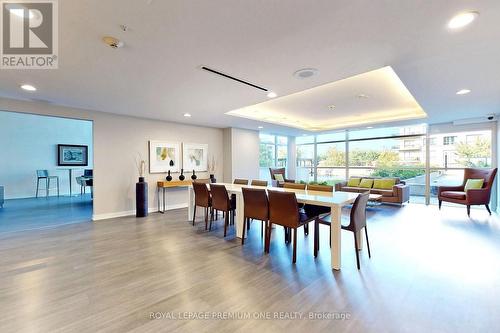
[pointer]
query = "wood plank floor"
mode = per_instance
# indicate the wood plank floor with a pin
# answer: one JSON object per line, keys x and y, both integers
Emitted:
{"x": 44, "y": 212}
{"x": 430, "y": 271}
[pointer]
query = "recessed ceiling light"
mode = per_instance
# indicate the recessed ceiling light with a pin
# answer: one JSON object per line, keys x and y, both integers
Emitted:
{"x": 369, "y": 127}
{"x": 187, "y": 115}
{"x": 305, "y": 73}
{"x": 463, "y": 91}
{"x": 260, "y": 127}
{"x": 331, "y": 107}
{"x": 272, "y": 94}
{"x": 304, "y": 134}
{"x": 362, "y": 96}
{"x": 461, "y": 20}
{"x": 28, "y": 87}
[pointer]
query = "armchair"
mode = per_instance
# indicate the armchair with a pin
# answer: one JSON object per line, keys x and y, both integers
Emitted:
{"x": 282, "y": 172}
{"x": 457, "y": 194}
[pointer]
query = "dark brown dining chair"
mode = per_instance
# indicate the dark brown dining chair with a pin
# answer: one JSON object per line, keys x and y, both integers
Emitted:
{"x": 221, "y": 201}
{"x": 283, "y": 210}
{"x": 296, "y": 186}
{"x": 202, "y": 199}
{"x": 240, "y": 181}
{"x": 256, "y": 208}
{"x": 357, "y": 222}
{"x": 256, "y": 182}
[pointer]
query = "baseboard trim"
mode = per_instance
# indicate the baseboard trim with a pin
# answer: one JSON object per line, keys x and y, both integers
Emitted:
{"x": 106, "y": 216}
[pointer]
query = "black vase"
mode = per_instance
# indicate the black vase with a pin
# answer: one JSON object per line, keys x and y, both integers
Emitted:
{"x": 141, "y": 198}
{"x": 181, "y": 176}
{"x": 212, "y": 179}
{"x": 193, "y": 176}
{"x": 171, "y": 163}
{"x": 169, "y": 177}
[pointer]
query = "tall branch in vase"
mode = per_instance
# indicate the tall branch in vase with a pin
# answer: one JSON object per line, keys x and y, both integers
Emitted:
{"x": 212, "y": 165}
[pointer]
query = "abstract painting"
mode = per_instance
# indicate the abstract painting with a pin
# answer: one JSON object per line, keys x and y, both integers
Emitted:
{"x": 164, "y": 156}
{"x": 72, "y": 155}
{"x": 194, "y": 157}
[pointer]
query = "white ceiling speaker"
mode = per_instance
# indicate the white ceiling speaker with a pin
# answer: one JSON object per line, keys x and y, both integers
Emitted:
{"x": 113, "y": 42}
{"x": 305, "y": 73}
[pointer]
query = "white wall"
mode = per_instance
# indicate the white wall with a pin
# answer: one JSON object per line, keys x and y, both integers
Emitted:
{"x": 29, "y": 142}
{"x": 241, "y": 158}
{"x": 117, "y": 140}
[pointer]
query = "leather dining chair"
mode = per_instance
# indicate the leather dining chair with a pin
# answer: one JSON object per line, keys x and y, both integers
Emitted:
{"x": 357, "y": 222}
{"x": 221, "y": 201}
{"x": 240, "y": 181}
{"x": 296, "y": 186}
{"x": 256, "y": 208}
{"x": 256, "y": 182}
{"x": 202, "y": 199}
{"x": 283, "y": 210}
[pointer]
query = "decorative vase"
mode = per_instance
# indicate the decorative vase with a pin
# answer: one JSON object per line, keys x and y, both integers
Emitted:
{"x": 212, "y": 179}
{"x": 193, "y": 176}
{"x": 171, "y": 163}
{"x": 141, "y": 198}
{"x": 181, "y": 176}
{"x": 169, "y": 177}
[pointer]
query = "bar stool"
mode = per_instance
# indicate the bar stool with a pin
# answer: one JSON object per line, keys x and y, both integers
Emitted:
{"x": 44, "y": 175}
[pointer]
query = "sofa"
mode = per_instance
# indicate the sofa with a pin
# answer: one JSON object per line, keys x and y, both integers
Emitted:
{"x": 397, "y": 193}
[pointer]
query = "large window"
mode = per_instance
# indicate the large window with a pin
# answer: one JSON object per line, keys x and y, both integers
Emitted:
{"x": 273, "y": 153}
{"x": 450, "y": 153}
{"x": 385, "y": 152}
{"x": 394, "y": 152}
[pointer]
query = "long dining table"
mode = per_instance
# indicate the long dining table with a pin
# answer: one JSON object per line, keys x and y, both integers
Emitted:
{"x": 334, "y": 200}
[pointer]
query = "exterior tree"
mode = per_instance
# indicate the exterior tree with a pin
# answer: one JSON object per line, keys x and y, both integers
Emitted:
{"x": 333, "y": 157}
{"x": 474, "y": 154}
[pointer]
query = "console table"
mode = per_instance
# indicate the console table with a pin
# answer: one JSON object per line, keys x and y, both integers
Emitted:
{"x": 163, "y": 185}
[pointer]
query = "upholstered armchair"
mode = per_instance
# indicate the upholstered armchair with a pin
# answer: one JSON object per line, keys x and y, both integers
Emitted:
{"x": 276, "y": 182}
{"x": 458, "y": 195}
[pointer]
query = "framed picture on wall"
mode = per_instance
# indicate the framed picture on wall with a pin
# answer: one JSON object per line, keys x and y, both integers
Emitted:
{"x": 195, "y": 156}
{"x": 72, "y": 155}
{"x": 164, "y": 156}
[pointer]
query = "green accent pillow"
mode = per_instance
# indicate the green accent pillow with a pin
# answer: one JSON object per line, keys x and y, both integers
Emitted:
{"x": 473, "y": 184}
{"x": 353, "y": 182}
{"x": 366, "y": 183}
{"x": 384, "y": 184}
{"x": 279, "y": 177}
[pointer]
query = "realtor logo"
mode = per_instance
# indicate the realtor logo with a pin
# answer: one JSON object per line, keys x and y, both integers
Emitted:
{"x": 29, "y": 34}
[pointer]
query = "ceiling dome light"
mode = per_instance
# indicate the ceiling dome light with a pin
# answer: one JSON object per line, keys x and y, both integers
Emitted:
{"x": 187, "y": 115}
{"x": 461, "y": 20}
{"x": 260, "y": 127}
{"x": 272, "y": 94}
{"x": 305, "y": 73}
{"x": 28, "y": 87}
{"x": 463, "y": 92}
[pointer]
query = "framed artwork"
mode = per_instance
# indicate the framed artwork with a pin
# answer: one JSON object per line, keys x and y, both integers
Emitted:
{"x": 164, "y": 156}
{"x": 194, "y": 157}
{"x": 72, "y": 155}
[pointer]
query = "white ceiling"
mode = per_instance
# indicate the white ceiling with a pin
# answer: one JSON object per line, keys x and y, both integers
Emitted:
{"x": 370, "y": 98}
{"x": 156, "y": 75}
